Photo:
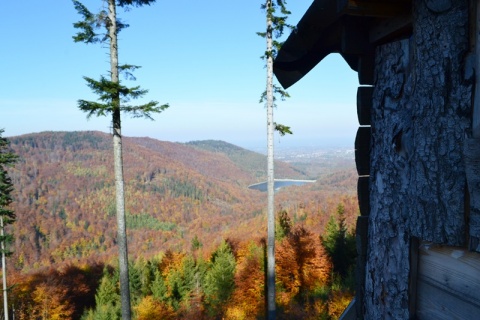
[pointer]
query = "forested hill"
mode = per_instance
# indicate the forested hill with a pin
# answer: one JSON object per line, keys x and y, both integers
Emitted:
{"x": 249, "y": 161}
{"x": 175, "y": 192}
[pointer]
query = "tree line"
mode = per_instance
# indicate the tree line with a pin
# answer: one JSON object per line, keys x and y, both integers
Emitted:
{"x": 313, "y": 281}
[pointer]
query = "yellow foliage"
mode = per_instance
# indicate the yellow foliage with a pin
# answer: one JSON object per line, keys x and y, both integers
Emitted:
{"x": 235, "y": 313}
{"x": 48, "y": 304}
{"x": 150, "y": 308}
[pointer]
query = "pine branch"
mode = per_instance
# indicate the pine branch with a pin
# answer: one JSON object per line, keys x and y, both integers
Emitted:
{"x": 88, "y": 25}
{"x": 282, "y": 129}
{"x": 136, "y": 3}
{"x": 145, "y": 110}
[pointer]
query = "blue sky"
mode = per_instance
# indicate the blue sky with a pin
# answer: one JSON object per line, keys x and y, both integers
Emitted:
{"x": 201, "y": 57}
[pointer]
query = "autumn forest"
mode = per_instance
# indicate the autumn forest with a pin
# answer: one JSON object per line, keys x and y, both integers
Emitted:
{"x": 196, "y": 233}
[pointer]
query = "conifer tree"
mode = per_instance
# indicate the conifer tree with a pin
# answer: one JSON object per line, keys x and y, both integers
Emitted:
{"x": 7, "y": 216}
{"x": 219, "y": 279}
{"x": 339, "y": 244}
{"x": 158, "y": 287}
{"x": 274, "y": 29}
{"x": 107, "y": 299}
{"x": 284, "y": 224}
{"x": 114, "y": 98}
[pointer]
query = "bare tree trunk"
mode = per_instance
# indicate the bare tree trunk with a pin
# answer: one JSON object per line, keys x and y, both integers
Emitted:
{"x": 118, "y": 160}
{"x": 4, "y": 271}
{"x": 270, "y": 175}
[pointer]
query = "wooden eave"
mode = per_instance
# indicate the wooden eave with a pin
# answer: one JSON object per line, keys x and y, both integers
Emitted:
{"x": 349, "y": 27}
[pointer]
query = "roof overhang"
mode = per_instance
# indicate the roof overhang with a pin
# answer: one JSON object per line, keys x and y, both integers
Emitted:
{"x": 350, "y": 27}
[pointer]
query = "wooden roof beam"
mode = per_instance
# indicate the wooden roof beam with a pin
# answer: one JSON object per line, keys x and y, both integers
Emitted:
{"x": 378, "y": 8}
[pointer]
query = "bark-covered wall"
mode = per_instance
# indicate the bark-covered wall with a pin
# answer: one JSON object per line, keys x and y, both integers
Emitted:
{"x": 421, "y": 111}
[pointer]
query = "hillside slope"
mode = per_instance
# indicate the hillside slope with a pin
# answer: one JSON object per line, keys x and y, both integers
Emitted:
{"x": 64, "y": 196}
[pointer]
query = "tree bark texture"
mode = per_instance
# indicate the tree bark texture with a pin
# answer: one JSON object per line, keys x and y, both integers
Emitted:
{"x": 271, "y": 307}
{"x": 421, "y": 113}
{"x": 118, "y": 165}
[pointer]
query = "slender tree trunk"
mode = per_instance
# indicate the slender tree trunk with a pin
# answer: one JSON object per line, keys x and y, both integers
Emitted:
{"x": 4, "y": 271}
{"x": 118, "y": 160}
{"x": 270, "y": 175}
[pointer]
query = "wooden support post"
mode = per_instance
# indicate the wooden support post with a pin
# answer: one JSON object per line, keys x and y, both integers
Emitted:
{"x": 413, "y": 278}
{"x": 471, "y": 153}
{"x": 361, "y": 238}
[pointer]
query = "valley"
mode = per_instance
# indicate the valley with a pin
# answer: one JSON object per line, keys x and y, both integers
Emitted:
{"x": 174, "y": 192}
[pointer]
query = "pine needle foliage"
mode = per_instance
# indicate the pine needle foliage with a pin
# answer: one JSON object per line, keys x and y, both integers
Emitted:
{"x": 278, "y": 14}
{"x": 7, "y": 159}
{"x": 111, "y": 93}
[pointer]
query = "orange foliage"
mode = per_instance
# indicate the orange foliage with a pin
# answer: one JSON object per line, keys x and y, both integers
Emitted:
{"x": 56, "y": 294}
{"x": 287, "y": 272}
{"x": 248, "y": 297}
{"x": 50, "y": 304}
{"x": 314, "y": 266}
{"x": 171, "y": 260}
{"x": 301, "y": 266}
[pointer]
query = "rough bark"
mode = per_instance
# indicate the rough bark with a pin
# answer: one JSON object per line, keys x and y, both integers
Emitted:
{"x": 270, "y": 174}
{"x": 421, "y": 110}
{"x": 118, "y": 167}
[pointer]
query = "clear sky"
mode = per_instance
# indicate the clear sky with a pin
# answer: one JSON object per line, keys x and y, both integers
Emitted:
{"x": 201, "y": 57}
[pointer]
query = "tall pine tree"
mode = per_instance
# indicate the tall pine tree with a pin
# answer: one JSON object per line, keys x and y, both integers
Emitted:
{"x": 274, "y": 30}
{"x": 114, "y": 98}
{"x": 7, "y": 216}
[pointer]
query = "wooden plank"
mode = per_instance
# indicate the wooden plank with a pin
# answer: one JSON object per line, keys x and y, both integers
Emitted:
{"x": 366, "y": 69}
{"x": 383, "y": 9}
{"x": 363, "y": 194}
{"x": 433, "y": 304}
{"x": 448, "y": 284}
{"x": 364, "y": 105}
{"x": 362, "y": 151}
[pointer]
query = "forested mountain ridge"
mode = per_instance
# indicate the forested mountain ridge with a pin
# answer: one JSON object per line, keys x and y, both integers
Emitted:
{"x": 64, "y": 196}
{"x": 247, "y": 160}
